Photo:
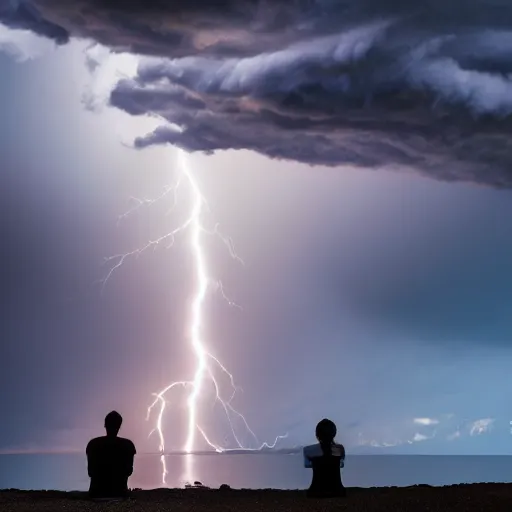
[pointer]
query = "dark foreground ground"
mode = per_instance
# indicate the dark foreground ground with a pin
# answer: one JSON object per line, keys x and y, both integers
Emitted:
{"x": 475, "y": 497}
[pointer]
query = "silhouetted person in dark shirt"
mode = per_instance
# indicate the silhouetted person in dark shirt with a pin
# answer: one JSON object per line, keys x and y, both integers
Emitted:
{"x": 110, "y": 461}
{"x": 326, "y": 459}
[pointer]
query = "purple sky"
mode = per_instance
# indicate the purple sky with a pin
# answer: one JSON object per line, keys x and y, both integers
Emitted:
{"x": 380, "y": 299}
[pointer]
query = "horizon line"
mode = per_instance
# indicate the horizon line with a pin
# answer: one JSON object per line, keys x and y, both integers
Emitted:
{"x": 70, "y": 451}
{"x": 280, "y": 451}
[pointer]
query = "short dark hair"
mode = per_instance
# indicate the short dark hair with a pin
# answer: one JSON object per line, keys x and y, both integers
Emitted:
{"x": 113, "y": 421}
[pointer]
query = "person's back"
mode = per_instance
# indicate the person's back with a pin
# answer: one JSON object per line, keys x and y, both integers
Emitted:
{"x": 326, "y": 459}
{"x": 110, "y": 461}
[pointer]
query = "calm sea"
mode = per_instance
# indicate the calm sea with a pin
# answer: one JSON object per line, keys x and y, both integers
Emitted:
{"x": 68, "y": 471}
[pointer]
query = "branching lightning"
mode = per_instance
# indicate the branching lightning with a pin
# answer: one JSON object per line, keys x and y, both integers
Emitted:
{"x": 207, "y": 365}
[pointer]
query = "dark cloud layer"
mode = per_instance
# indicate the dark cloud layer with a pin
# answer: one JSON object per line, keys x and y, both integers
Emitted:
{"x": 23, "y": 16}
{"x": 425, "y": 85}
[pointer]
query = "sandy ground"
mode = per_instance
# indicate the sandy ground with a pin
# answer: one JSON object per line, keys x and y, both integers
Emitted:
{"x": 476, "y": 497}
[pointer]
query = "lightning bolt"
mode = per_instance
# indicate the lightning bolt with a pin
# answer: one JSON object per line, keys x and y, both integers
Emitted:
{"x": 207, "y": 365}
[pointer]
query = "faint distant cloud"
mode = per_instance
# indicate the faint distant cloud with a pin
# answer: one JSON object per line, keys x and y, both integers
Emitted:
{"x": 389, "y": 443}
{"x": 420, "y": 437}
{"x": 453, "y": 436}
{"x": 374, "y": 443}
{"x": 481, "y": 426}
{"x": 436, "y": 436}
{"x": 426, "y": 421}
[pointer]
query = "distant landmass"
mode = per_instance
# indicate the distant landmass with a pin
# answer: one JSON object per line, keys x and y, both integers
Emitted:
{"x": 496, "y": 443}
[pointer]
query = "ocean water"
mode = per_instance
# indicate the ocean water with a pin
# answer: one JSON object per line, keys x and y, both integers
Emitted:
{"x": 68, "y": 471}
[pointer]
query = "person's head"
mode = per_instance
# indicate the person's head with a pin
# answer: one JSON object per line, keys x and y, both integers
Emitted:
{"x": 325, "y": 433}
{"x": 113, "y": 422}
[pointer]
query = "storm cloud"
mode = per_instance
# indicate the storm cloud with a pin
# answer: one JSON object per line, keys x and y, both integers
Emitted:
{"x": 419, "y": 85}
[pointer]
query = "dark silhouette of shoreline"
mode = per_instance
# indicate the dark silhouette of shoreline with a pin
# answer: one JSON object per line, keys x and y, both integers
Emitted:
{"x": 418, "y": 498}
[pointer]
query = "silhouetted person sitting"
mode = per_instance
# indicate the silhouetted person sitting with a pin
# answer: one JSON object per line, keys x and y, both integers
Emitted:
{"x": 110, "y": 461}
{"x": 326, "y": 459}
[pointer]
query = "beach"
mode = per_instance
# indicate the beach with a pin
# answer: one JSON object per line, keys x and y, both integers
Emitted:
{"x": 473, "y": 497}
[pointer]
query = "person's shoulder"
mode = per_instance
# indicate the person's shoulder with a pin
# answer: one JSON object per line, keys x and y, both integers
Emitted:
{"x": 312, "y": 450}
{"x": 127, "y": 444}
{"x": 338, "y": 450}
{"x": 97, "y": 441}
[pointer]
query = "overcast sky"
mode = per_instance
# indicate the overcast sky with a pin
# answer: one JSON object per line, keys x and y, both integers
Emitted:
{"x": 379, "y": 298}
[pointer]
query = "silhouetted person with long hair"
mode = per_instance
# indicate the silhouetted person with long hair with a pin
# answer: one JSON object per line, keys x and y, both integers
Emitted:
{"x": 110, "y": 461}
{"x": 326, "y": 459}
